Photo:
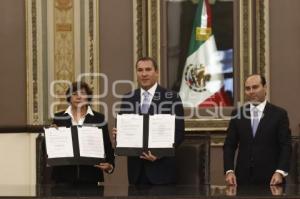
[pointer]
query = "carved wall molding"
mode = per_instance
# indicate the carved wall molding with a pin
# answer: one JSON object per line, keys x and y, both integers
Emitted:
{"x": 146, "y": 30}
{"x": 262, "y": 30}
{"x": 206, "y": 125}
{"x": 62, "y": 43}
{"x": 33, "y": 54}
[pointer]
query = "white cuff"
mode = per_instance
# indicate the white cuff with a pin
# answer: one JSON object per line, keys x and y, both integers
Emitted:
{"x": 283, "y": 173}
{"x": 229, "y": 171}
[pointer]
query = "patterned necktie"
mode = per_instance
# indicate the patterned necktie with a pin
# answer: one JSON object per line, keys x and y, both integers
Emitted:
{"x": 146, "y": 103}
{"x": 255, "y": 121}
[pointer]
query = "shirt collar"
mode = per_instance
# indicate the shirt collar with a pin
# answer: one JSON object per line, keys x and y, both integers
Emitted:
{"x": 89, "y": 111}
{"x": 150, "y": 90}
{"x": 260, "y": 106}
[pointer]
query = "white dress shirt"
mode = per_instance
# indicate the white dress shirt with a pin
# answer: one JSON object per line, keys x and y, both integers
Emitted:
{"x": 81, "y": 120}
{"x": 151, "y": 92}
{"x": 260, "y": 109}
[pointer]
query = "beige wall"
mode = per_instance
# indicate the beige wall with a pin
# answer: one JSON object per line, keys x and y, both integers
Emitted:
{"x": 116, "y": 62}
{"x": 12, "y": 62}
{"x": 285, "y": 58}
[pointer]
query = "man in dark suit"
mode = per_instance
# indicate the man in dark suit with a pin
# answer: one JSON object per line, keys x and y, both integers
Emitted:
{"x": 260, "y": 131}
{"x": 149, "y": 168}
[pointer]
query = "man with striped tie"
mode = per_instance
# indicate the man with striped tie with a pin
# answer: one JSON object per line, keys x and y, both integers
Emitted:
{"x": 260, "y": 131}
{"x": 152, "y": 99}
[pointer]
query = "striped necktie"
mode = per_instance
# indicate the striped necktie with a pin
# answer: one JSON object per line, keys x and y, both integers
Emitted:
{"x": 255, "y": 121}
{"x": 146, "y": 103}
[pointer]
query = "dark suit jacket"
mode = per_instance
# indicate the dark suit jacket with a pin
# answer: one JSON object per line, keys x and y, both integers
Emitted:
{"x": 161, "y": 171}
{"x": 259, "y": 156}
{"x": 83, "y": 174}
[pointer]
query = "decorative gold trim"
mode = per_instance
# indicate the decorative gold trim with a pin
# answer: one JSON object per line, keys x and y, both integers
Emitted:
{"x": 64, "y": 54}
{"x": 212, "y": 125}
{"x": 261, "y": 36}
{"x": 249, "y": 34}
{"x": 146, "y": 30}
{"x": 246, "y": 43}
{"x": 33, "y": 62}
{"x": 41, "y": 62}
{"x": 241, "y": 48}
{"x": 154, "y": 30}
{"x": 34, "y": 58}
{"x": 91, "y": 39}
{"x": 139, "y": 32}
{"x": 92, "y": 48}
{"x": 31, "y": 59}
{"x": 265, "y": 44}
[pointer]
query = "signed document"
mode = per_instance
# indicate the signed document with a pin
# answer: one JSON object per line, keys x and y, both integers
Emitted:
{"x": 59, "y": 142}
{"x": 161, "y": 131}
{"x": 130, "y": 131}
{"x": 90, "y": 141}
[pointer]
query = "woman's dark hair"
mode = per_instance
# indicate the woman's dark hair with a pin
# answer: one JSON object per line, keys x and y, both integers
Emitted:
{"x": 77, "y": 86}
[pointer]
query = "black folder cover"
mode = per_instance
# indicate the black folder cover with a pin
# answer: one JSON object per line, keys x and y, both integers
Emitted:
{"x": 77, "y": 159}
{"x": 123, "y": 151}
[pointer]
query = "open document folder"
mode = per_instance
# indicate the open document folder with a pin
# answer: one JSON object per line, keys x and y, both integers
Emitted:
{"x": 138, "y": 133}
{"x": 75, "y": 145}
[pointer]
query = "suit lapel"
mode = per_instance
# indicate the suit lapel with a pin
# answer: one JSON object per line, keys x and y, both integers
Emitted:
{"x": 153, "y": 109}
{"x": 137, "y": 98}
{"x": 246, "y": 115}
{"x": 67, "y": 121}
{"x": 88, "y": 119}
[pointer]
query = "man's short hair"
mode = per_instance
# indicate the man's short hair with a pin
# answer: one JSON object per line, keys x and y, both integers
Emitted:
{"x": 147, "y": 59}
{"x": 262, "y": 78}
{"x": 77, "y": 86}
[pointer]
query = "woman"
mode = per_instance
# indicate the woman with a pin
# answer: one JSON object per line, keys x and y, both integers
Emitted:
{"x": 79, "y": 112}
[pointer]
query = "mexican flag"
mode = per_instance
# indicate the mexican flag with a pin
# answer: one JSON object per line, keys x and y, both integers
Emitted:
{"x": 202, "y": 79}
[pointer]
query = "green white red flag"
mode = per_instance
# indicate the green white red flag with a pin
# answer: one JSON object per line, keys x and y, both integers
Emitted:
{"x": 202, "y": 80}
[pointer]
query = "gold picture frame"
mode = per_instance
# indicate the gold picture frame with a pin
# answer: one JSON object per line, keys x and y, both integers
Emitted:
{"x": 250, "y": 43}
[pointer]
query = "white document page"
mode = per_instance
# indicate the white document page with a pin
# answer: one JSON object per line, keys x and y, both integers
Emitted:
{"x": 59, "y": 142}
{"x": 161, "y": 131}
{"x": 91, "y": 142}
{"x": 130, "y": 131}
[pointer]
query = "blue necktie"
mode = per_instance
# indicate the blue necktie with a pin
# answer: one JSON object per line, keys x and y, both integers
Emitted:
{"x": 255, "y": 121}
{"x": 146, "y": 103}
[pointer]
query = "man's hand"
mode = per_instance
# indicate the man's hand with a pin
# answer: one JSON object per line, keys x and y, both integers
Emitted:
{"x": 148, "y": 156}
{"x": 230, "y": 179}
{"x": 277, "y": 179}
{"x": 276, "y": 190}
{"x": 105, "y": 167}
{"x": 230, "y": 190}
